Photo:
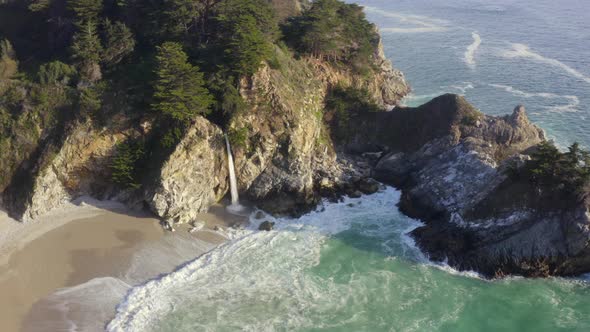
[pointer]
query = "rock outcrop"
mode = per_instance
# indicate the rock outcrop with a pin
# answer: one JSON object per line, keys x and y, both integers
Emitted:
{"x": 193, "y": 177}
{"x": 450, "y": 162}
{"x": 288, "y": 150}
{"x": 69, "y": 165}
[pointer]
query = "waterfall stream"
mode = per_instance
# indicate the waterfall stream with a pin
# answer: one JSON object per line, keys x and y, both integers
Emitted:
{"x": 235, "y": 206}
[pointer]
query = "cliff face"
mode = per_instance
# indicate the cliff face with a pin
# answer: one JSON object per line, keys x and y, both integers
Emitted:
{"x": 288, "y": 150}
{"x": 451, "y": 163}
{"x": 70, "y": 165}
{"x": 193, "y": 177}
{"x": 283, "y": 154}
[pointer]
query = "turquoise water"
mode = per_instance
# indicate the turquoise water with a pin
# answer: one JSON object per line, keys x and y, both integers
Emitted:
{"x": 535, "y": 53}
{"x": 348, "y": 267}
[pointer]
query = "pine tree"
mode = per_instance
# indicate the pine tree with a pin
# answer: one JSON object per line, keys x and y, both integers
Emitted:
{"x": 179, "y": 90}
{"x": 86, "y": 51}
{"x": 86, "y": 10}
{"x": 180, "y": 16}
{"x": 249, "y": 27}
{"x": 119, "y": 42}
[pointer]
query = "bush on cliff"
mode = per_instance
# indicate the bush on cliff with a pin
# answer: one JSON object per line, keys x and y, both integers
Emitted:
{"x": 342, "y": 103}
{"x": 335, "y": 31}
{"x": 565, "y": 173}
{"x": 126, "y": 163}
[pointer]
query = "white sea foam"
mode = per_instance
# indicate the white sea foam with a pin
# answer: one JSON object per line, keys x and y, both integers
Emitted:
{"x": 259, "y": 265}
{"x": 472, "y": 50}
{"x": 571, "y": 106}
{"x": 419, "y": 24}
{"x": 523, "y": 51}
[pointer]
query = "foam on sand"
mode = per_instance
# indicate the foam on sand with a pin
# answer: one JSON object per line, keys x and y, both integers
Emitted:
{"x": 472, "y": 50}
{"x": 234, "y": 284}
{"x": 524, "y": 52}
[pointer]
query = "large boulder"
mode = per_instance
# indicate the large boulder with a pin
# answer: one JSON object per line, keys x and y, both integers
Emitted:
{"x": 194, "y": 176}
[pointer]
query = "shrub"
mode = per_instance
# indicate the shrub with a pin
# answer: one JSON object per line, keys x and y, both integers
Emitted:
{"x": 238, "y": 136}
{"x": 8, "y": 62}
{"x": 56, "y": 72}
{"x": 335, "y": 31}
{"x": 125, "y": 164}
{"x": 567, "y": 173}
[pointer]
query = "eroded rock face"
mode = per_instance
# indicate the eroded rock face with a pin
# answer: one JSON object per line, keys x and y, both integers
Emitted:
{"x": 477, "y": 218}
{"x": 65, "y": 169}
{"x": 194, "y": 177}
{"x": 288, "y": 150}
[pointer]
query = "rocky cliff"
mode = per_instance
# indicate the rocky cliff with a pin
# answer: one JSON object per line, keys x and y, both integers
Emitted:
{"x": 288, "y": 150}
{"x": 68, "y": 165}
{"x": 282, "y": 149}
{"x": 451, "y": 163}
{"x": 193, "y": 177}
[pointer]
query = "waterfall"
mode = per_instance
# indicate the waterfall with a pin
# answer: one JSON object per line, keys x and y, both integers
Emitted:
{"x": 235, "y": 199}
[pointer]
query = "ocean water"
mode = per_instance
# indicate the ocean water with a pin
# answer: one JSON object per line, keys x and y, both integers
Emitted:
{"x": 498, "y": 54}
{"x": 347, "y": 267}
{"x": 350, "y": 266}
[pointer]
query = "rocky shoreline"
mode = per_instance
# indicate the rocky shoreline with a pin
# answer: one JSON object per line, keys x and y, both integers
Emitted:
{"x": 477, "y": 218}
{"x": 291, "y": 150}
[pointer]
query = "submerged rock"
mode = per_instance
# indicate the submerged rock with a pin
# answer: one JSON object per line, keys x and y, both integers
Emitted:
{"x": 266, "y": 226}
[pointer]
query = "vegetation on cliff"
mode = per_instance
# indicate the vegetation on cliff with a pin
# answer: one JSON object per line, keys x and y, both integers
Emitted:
{"x": 334, "y": 31}
{"x": 165, "y": 61}
{"x": 552, "y": 172}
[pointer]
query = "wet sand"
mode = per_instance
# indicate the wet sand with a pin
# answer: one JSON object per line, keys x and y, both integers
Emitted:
{"x": 79, "y": 252}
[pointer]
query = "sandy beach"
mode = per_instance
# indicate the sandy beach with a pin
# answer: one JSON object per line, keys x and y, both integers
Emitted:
{"x": 51, "y": 268}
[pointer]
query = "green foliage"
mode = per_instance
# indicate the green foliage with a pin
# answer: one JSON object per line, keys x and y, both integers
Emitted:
{"x": 90, "y": 100}
{"x": 12, "y": 98}
{"x": 8, "y": 62}
{"x": 119, "y": 42}
{"x": 126, "y": 164}
{"x": 342, "y": 103}
{"x": 56, "y": 72}
{"x": 179, "y": 90}
{"x": 335, "y": 31}
{"x": 172, "y": 137}
{"x": 87, "y": 11}
{"x": 179, "y": 16}
{"x": 39, "y": 5}
{"x": 567, "y": 173}
{"x": 248, "y": 29}
{"x": 87, "y": 50}
{"x": 238, "y": 136}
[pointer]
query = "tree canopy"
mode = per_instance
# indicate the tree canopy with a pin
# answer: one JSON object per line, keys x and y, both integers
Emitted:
{"x": 179, "y": 90}
{"x": 333, "y": 30}
{"x": 564, "y": 172}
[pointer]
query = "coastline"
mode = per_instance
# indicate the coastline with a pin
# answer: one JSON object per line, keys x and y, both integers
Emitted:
{"x": 78, "y": 247}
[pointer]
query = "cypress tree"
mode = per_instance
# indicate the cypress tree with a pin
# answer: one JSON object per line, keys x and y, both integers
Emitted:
{"x": 179, "y": 90}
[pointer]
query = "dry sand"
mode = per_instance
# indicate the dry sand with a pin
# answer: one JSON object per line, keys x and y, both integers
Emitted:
{"x": 78, "y": 244}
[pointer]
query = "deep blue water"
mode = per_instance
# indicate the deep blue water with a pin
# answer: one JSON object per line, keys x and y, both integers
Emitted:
{"x": 535, "y": 53}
